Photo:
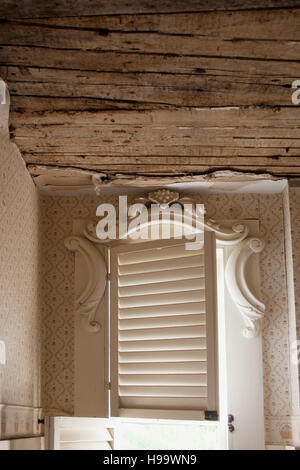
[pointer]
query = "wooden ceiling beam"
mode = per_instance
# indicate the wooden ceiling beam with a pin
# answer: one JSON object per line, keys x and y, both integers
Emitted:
{"x": 40, "y": 9}
{"x": 231, "y": 116}
{"x": 156, "y": 93}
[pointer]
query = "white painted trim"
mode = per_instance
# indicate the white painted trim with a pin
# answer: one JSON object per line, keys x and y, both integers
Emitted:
{"x": 291, "y": 285}
{"x": 224, "y": 235}
{"x": 88, "y": 300}
{"x": 244, "y": 366}
{"x": 90, "y": 341}
{"x": 191, "y": 221}
{"x": 251, "y": 309}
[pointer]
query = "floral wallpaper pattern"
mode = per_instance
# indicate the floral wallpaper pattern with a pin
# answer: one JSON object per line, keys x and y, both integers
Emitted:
{"x": 275, "y": 332}
{"x": 20, "y": 321}
{"x": 294, "y": 195}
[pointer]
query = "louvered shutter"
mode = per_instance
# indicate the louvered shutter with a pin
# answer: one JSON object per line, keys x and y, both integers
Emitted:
{"x": 163, "y": 348}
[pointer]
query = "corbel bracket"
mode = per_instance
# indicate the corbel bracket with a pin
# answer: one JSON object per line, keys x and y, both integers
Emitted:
{"x": 251, "y": 309}
{"x": 87, "y": 302}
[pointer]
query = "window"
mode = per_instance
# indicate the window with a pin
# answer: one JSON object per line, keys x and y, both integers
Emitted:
{"x": 163, "y": 330}
{"x": 239, "y": 335}
{"x": 166, "y": 435}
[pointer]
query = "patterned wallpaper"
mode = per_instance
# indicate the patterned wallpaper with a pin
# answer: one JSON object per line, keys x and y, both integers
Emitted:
{"x": 58, "y": 264}
{"x": 294, "y": 195}
{"x": 20, "y": 321}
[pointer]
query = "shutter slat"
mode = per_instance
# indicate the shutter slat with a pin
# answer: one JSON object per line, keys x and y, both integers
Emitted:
{"x": 166, "y": 265}
{"x": 163, "y": 379}
{"x": 85, "y": 434}
{"x": 173, "y": 252}
{"x": 157, "y": 391}
{"x": 162, "y": 299}
{"x": 162, "y": 333}
{"x": 162, "y": 287}
{"x": 150, "y": 358}
{"x": 163, "y": 310}
{"x": 153, "y": 403}
{"x": 162, "y": 345}
{"x": 161, "y": 276}
{"x": 85, "y": 446}
{"x": 164, "y": 367}
{"x": 156, "y": 322}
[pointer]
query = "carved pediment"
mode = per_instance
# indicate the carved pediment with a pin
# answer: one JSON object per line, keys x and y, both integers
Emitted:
{"x": 251, "y": 309}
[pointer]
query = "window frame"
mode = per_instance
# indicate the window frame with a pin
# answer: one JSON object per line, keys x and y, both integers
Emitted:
{"x": 242, "y": 355}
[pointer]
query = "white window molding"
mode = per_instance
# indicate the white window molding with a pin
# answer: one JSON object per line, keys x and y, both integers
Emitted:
{"x": 4, "y": 108}
{"x": 240, "y": 245}
{"x": 244, "y": 360}
{"x": 251, "y": 309}
{"x": 4, "y": 94}
{"x": 165, "y": 198}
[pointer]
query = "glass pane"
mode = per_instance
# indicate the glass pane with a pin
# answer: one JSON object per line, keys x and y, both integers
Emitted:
{"x": 157, "y": 436}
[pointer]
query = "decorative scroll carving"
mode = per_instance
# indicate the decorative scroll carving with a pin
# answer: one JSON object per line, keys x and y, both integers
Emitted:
{"x": 224, "y": 235}
{"x": 251, "y": 309}
{"x": 227, "y": 236}
{"x": 88, "y": 300}
{"x": 90, "y": 233}
{"x": 166, "y": 198}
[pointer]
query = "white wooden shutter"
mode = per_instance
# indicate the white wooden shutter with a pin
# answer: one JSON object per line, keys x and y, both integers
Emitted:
{"x": 163, "y": 330}
{"x": 72, "y": 433}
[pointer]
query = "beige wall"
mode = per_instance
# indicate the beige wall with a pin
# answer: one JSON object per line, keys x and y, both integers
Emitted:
{"x": 20, "y": 327}
{"x": 57, "y": 216}
{"x": 294, "y": 196}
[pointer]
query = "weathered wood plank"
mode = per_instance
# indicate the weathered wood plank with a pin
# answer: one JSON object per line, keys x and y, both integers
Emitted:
{"x": 276, "y": 25}
{"x": 123, "y": 62}
{"x": 156, "y": 94}
{"x": 72, "y": 78}
{"x": 168, "y": 90}
{"x": 149, "y": 88}
{"x": 202, "y": 152}
{"x": 233, "y": 147}
{"x": 184, "y": 134}
{"x": 38, "y": 9}
{"x": 42, "y": 104}
{"x": 193, "y": 117}
{"x": 96, "y": 162}
{"x": 17, "y": 34}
